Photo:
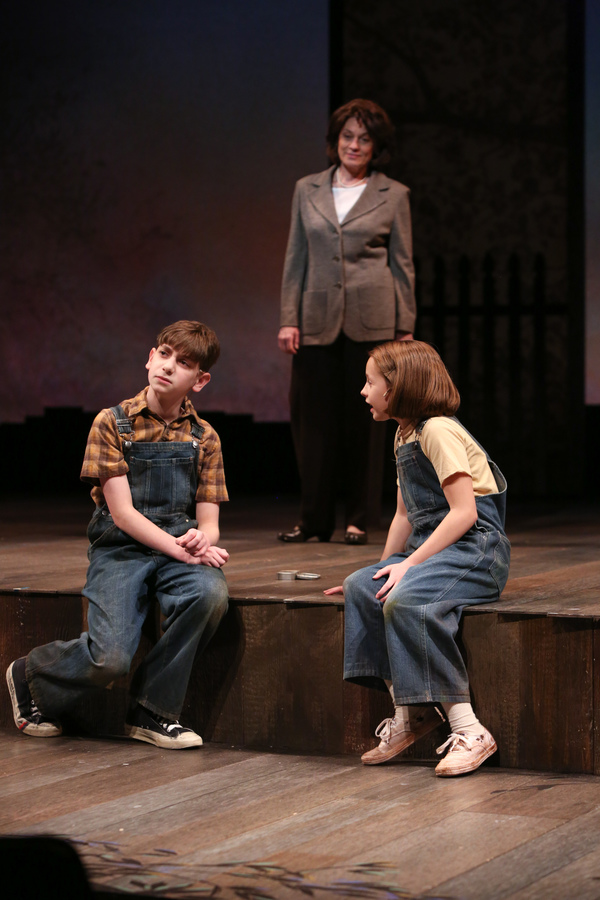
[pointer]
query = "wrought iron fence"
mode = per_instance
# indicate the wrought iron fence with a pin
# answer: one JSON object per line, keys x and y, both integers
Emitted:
{"x": 506, "y": 339}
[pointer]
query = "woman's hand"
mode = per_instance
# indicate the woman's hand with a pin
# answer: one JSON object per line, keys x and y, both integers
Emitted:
{"x": 289, "y": 339}
{"x": 334, "y": 590}
{"x": 395, "y": 573}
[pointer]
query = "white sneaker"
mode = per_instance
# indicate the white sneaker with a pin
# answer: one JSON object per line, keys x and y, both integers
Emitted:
{"x": 465, "y": 753}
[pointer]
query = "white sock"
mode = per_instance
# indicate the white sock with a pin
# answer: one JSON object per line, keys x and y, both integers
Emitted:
{"x": 400, "y": 712}
{"x": 462, "y": 719}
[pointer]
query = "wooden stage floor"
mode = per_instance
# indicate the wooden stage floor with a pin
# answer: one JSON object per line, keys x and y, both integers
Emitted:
{"x": 223, "y": 823}
{"x": 43, "y": 549}
{"x": 228, "y": 823}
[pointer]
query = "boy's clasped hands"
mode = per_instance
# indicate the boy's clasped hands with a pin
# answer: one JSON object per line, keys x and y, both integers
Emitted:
{"x": 200, "y": 551}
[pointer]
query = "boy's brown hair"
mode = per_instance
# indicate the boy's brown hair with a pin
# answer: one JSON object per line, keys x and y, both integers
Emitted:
{"x": 420, "y": 384}
{"x": 194, "y": 340}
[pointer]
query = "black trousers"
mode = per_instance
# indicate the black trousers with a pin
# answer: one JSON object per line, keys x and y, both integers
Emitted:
{"x": 335, "y": 438}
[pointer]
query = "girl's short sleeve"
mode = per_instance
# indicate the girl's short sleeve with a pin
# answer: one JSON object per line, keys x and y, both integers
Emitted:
{"x": 443, "y": 444}
{"x": 451, "y": 450}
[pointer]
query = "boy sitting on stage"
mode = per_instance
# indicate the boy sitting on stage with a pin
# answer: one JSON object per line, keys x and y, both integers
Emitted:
{"x": 158, "y": 479}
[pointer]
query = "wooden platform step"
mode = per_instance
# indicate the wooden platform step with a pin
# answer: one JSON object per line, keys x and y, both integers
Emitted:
{"x": 272, "y": 677}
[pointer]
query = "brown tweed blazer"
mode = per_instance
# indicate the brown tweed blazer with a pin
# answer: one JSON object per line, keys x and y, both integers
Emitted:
{"x": 358, "y": 276}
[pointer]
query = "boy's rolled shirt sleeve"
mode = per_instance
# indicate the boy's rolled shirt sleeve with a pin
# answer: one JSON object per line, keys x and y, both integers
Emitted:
{"x": 103, "y": 453}
{"x": 211, "y": 474}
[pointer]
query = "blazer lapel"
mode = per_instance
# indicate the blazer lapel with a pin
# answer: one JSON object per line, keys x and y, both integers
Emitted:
{"x": 373, "y": 196}
{"x": 321, "y": 196}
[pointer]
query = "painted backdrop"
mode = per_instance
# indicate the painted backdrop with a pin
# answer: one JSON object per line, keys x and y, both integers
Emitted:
{"x": 149, "y": 156}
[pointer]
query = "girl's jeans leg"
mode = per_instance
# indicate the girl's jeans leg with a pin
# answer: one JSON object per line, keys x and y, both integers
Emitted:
{"x": 365, "y": 646}
{"x": 420, "y": 619}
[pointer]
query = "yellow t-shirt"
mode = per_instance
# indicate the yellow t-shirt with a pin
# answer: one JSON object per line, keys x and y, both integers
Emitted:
{"x": 450, "y": 450}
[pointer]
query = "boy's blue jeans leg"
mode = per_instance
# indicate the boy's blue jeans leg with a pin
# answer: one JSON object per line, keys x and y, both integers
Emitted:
{"x": 193, "y": 600}
{"x": 122, "y": 580}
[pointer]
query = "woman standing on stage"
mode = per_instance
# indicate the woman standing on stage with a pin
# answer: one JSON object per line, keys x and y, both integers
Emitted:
{"x": 348, "y": 284}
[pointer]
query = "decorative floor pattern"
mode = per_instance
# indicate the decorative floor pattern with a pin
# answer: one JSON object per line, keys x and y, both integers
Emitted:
{"x": 158, "y": 873}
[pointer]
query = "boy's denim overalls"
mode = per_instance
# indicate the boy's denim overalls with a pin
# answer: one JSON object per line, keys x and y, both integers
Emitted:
{"x": 123, "y": 577}
{"x": 410, "y": 639}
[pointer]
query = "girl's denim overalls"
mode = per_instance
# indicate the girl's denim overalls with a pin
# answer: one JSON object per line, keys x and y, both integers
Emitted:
{"x": 123, "y": 577}
{"x": 410, "y": 639}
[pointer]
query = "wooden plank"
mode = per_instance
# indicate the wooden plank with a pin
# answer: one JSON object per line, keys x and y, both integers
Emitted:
{"x": 27, "y": 763}
{"x": 59, "y": 564}
{"x": 291, "y": 679}
{"x": 217, "y": 818}
{"x": 572, "y": 591}
{"x": 412, "y": 799}
{"x": 555, "y": 566}
{"x": 363, "y": 709}
{"x": 28, "y": 621}
{"x": 563, "y": 798}
{"x": 518, "y": 674}
{"x": 492, "y": 648}
{"x": 578, "y": 879}
{"x": 272, "y": 678}
{"x": 204, "y": 786}
{"x": 214, "y": 699}
{"x": 140, "y": 770}
{"x": 526, "y": 871}
{"x": 288, "y": 670}
{"x": 250, "y": 806}
{"x": 423, "y": 852}
{"x": 428, "y": 858}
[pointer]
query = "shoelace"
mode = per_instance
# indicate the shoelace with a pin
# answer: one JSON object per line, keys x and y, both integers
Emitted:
{"x": 455, "y": 741}
{"x": 384, "y": 729}
{"x": 167, "y": 724}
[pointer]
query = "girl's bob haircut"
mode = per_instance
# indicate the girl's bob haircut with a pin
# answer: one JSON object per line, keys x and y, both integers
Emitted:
{"x": 420, "y": 384}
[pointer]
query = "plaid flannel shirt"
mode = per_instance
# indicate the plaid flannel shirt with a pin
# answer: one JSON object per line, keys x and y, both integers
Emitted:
{"x": 104, "y": 454}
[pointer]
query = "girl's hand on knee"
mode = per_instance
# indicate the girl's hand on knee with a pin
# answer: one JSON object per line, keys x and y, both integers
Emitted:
{"x": 334, "y": 590}
{"x": 395, "y": 573}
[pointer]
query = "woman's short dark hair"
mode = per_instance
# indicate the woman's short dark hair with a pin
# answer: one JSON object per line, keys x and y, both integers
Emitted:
{"x": 375, "y": 120}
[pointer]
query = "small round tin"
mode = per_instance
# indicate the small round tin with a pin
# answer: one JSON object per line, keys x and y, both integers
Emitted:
{"x": 287, "y": 575}
{"x": 307, "y": 576}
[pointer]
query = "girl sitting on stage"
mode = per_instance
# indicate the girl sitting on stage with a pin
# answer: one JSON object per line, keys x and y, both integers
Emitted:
{"x": 446, "y": 549}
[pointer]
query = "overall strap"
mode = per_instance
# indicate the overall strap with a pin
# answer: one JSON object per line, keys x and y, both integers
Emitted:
{"x": 473, "y": 438}
{"x": 197, "y": 430}
{"x": 419, "y": 429}
{"x": 124, "y": 425}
